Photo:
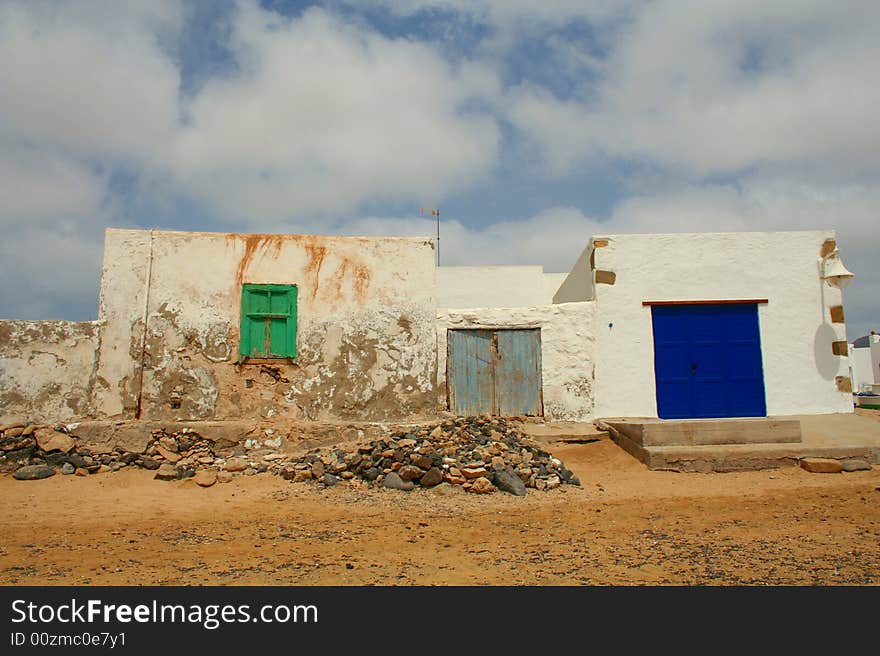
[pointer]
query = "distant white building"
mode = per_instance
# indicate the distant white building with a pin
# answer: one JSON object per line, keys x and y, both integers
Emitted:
{"x": 864, "y": 359}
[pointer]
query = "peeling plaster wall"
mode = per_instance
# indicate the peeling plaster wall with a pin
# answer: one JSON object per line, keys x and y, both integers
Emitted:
{"x": 365, "y": 327}
{"x": 568, "y": 350}
{"x": 800, "y": 370}
{"x": 46, "y": 370}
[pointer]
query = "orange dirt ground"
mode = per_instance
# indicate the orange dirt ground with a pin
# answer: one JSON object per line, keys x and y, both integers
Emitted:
{"x": 626, "y": 525}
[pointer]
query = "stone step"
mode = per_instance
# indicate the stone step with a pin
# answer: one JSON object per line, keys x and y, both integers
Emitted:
{"x": 572, "y": 432}
{"x": 698, "y": 432}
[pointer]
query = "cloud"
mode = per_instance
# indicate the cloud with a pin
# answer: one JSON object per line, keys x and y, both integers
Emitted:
{"x": 720, "y": 88}
{"x": 324, "y": 116}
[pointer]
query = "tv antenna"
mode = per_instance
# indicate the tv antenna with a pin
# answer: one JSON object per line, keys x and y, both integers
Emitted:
{"x": 434, "y": 212}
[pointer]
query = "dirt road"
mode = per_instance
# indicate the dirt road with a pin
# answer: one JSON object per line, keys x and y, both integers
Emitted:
{"x": 626, "y": 525}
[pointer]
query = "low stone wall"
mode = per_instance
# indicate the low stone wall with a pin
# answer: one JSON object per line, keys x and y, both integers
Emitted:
{"x": 47, "y": 370}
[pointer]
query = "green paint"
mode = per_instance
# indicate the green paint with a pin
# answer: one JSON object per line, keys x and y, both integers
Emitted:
{"x": 268, "y": 321}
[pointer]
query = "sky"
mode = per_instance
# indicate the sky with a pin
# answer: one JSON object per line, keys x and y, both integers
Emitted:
{"x": 531, "y": 125}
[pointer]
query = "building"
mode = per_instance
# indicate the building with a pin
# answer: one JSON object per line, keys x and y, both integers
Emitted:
{"x": 864, "y": 357}
{"x": 216, "y": 326}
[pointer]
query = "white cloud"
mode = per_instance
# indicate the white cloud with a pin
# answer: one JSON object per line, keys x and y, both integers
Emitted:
{"x": 718, "y": 87}
{"x": 325, "y": 116}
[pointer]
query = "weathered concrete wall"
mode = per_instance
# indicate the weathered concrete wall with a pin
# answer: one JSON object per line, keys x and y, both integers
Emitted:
{"x": 568, "y": 350}
{"x": 578, "y": 284}
{"x": 365, "y": 328}
{"x": 800, "y": 370}
{"x": 490, "y": 286}
{"x": 46, "y": 370}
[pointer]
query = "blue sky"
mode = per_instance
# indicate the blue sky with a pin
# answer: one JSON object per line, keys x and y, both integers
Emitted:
{"x": 531, "y": 125}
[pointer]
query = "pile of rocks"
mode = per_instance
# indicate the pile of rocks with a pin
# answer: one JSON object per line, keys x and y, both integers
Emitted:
{"x": 35, "y": 451}
{"x": 481, "y": 454}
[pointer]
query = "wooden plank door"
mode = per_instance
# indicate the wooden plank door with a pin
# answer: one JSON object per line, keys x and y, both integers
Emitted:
{"x": 494, "y": 372}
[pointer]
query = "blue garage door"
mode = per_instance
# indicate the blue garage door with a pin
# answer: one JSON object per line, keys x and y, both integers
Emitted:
{"x": 707, "y": 361}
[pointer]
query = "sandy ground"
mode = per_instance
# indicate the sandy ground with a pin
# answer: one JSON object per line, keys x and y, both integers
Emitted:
{"x": 626, "y": 525}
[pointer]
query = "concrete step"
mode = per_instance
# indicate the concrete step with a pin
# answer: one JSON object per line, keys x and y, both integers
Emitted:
{"x": 697, "y": 432}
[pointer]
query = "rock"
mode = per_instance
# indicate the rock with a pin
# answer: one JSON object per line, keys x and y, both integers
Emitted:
{"x": 52, "y": 440}
{"x": 102, "y": 469}
{"x": 481, "y": 485}
{"x": 16, "y": 443}
{"x": 169, "y": 455}
{"x": 473, "y": 472}
{"x": 67, "y": 468}
{"x": 33, "y": 472}
{"x": 431, "y": 478}
{"x": 821, "y": 465}
{"x": 166, "y": 472}
{"x": 395, "y": 482}
{"x": 56, "y": 458}
{"x": 498, "y": 464}
{"x": 553, "y": 482}
{"x": 235, "y": 465}
{"x": 410, "y": 472}
{"x": 21, "y": 455}
{"x": 205, "y": 478}
{"x": 855, "y": 464}
{"x": 437, "y": 432}
{"x": 329, "y": 480}
{"x": 574, "y": 480}
{"x": 302, "y": 475}
{"x": 317, "y": 470}
{"x": 13, "y": 432}
{"x": 422, "y": 461}
{"x": 81, "y": 471}
{"x": 506, "y": 480}
{"x": 149, "y": 463}
{"x": 224, "y": 476}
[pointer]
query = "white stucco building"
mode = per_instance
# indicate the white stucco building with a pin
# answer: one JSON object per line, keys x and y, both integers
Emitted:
{"x": 864, "y": 354}
{"x": 228, "y": 326}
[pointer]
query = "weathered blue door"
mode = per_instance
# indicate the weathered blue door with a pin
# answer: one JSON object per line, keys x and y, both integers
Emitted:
{"x": 707, "y": 361}
{"x": 494, "y": 372}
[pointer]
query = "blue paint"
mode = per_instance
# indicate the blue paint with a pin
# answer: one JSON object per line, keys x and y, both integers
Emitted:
{"x": 707, "y": 361}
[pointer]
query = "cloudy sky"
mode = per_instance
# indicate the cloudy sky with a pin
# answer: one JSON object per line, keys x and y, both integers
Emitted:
{"x": 532, "y": 125}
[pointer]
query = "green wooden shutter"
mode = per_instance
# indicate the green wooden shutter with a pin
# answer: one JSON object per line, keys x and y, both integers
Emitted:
{"x": 268, "y": 321}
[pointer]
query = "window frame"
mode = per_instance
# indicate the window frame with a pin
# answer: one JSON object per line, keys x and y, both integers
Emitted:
{"x": 245, "y": 319}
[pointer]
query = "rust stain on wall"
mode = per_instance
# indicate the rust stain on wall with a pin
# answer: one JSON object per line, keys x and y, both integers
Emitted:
{"x": 317, "y": 253}
{"x": 253, "y": 243}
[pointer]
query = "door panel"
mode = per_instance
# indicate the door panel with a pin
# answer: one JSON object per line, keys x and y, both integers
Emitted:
{"x": 494, "y": 372}
{"x": 707, "y": 361}
{"x": 518, "y": 372}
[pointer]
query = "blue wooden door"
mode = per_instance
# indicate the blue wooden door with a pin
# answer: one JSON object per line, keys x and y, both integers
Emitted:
{"x": 707, "y": 361}
{"x": 494, "y": 372}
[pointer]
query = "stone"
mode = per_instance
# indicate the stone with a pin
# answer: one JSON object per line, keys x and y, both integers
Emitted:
{"x": 149, "y": 463}
{"x": 395, "y": 482}
{"x": 473, "y": 472}
{"x": 81, "y": 471}
{"x": 67, "y": 468}
{"x": 13, "y": 432}
{"x": 481, "y": 485}
{"x": 431, "y": 478}
{"x": 410, "y": 472}
{"x": 16, "y": 443}
{"x": 56, "y": 458}
{"x": 301, "y": 475}
{"x": 169, "y": 455}
{"x": 53, "y": 440}
{"x": 317, "y": 469}
{"x": 33, "y": 472}
{"x": 498, "y": 464}
{"x": 166, "y": 472}
{"x": 507, "y": 480}
{"x": 856, "y": 464}
{"x": 422, "y": 461}
{"x": 102, "y": 469}
{"x": 574, "y": 480}
{"x": 235, "y": 465}
{"x": 21, "y": 455}
{"x": 821, "y": 465}
{"x": 553, "y": 482}
{"x": 329, "y": 480}
{"x": 454, "y": 480}
{"x": 205, "y": 478}
{"x": 224, "y": 476}
{"x": 371, "y": 474}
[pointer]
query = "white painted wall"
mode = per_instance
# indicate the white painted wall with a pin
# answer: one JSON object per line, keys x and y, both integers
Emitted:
{"x": 796, "y": 333}
{"x": 490, "y": 286}
{"x": 568, "y": 350}
{"x": 552, "y": 283}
